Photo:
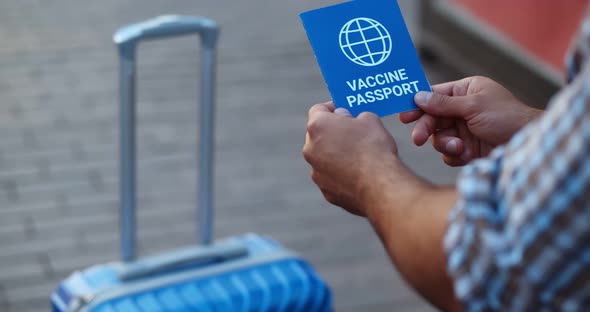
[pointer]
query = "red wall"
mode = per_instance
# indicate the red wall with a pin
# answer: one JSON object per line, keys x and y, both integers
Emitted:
{"x": 544, "y": 27}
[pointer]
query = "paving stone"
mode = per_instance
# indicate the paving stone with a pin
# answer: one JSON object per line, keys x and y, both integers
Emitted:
{"x": 25, "y": 271}
{"x": 3, "y": 300}
{"x": 59, "y": 148}
{"x": 31, "y": 297}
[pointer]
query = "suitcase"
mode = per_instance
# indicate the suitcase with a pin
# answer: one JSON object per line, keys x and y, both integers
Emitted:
{"x": 245, "y": 273}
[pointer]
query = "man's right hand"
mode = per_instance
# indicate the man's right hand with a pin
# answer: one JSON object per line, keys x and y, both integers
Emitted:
{"x": 467, "y": 118}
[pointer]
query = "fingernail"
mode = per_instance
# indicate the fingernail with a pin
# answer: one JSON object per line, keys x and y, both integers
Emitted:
{"x": 452, "y": 147}
{"x": 342, "y": 111}
{"x": 422, "y": 97}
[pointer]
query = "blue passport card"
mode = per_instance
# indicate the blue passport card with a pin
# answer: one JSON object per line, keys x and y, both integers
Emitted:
{"x": 366, "y": 55}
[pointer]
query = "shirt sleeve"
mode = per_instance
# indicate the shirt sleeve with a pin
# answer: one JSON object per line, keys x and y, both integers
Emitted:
{"x": 519, "y": 237}
{"x": 578, "y": 51}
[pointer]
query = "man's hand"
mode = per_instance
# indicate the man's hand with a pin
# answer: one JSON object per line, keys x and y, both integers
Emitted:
{"x": 346, "y": 153}
{"x": 355, "y": 165}
{"x": 466, "y": 119}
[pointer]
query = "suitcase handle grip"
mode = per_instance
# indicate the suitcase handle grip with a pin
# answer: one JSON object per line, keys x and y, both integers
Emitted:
{"x": 181, "y": 260}
{"x": 168, "y": 26}
{"x": 127, "y": 39}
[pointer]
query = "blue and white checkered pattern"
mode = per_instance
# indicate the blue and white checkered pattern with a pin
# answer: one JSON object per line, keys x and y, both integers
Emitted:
{"x": 519, "y": 237}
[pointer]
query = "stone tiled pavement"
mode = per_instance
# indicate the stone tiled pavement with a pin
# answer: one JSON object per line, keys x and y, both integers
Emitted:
{"x": 58, "y": 146}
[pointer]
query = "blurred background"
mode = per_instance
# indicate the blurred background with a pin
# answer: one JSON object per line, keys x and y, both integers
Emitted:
{"x": 58, "y": 131}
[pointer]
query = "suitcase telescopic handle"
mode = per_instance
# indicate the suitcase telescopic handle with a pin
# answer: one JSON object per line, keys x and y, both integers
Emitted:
{"x": 167, "y": 263}
{"x": 127, "y": 39}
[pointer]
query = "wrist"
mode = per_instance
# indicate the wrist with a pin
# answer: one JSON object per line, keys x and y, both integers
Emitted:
{"x": 391, "y": 188}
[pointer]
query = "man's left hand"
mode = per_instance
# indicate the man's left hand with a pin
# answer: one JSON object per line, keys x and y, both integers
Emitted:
{"x": 346, "y": 153}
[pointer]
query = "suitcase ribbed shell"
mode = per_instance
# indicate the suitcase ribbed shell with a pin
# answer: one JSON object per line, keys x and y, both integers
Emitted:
{"x": 286, "y": 284}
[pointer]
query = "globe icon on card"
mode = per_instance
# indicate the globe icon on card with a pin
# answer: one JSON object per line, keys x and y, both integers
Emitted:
{"x": 365, "y": 41}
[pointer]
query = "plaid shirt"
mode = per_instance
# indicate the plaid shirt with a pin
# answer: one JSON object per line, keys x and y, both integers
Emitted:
{"x": 519, "y": 237}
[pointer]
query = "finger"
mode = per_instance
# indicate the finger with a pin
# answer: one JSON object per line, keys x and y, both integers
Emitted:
{"x": 447, "y": 142}
{"x": 369, "y": 117}
{"x": 411, "y": 116}
{"x": 342, "y": 112}
{"x": 454, "y": 161}
{"x": 423, "y": 129}
{"x": 444, "y": 106}
{"x": 426, "y": 126}
{"x": 453, "y": 88}
{"x": 330, "y": 105}
{"x": 314, "y": 117}
{"x": 470, "y": 143}
{"x": 327, "y": 107}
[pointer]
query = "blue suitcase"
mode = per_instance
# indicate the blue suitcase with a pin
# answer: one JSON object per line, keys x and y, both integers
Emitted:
{"x": 246, "y": 273}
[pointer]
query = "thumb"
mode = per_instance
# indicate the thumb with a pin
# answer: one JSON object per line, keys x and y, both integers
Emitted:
{"x": 342, "y": 112}
{"x": 442, "y": 105}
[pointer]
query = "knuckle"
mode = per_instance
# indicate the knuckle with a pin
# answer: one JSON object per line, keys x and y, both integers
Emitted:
{"x": 364, "y": 115}
{"x": 319, "y": 108}
{"x": 316, "y": 106}
{"x": 329, "y": 197}
{"x": 367, "y": 116}
{"x": 478, "y": 79}
{"x": 314, "y": 177}
{"x": 458, "y": 90}
{"x": 307, "y": 153}
{"x": 475, "y": 82}
{"x": 313, "y": 126}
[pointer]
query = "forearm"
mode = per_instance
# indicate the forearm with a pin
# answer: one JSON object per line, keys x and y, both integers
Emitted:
{"x": 410, "y": 215}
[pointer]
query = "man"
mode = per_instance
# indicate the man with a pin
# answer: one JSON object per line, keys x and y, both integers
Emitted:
{"x": 514, "y": 234}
